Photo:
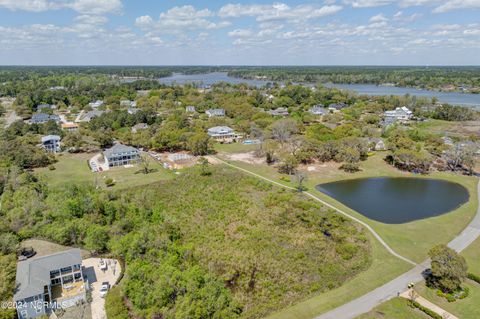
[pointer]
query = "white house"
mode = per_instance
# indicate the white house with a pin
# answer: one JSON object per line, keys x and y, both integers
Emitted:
{"x": 399, "y": 114}
{"x": 51, "y": 143}
{"x": 222, "y": 134}
{"x": 215, "y": 112}
{"x": 318, "y": 110}
{"x": 96, "y": 104}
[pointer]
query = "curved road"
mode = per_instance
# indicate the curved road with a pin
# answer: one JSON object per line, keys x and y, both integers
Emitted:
{"x": 391, "y": 289}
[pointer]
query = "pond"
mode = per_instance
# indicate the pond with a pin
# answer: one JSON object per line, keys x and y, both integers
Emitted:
{"x": 397, "y": 200}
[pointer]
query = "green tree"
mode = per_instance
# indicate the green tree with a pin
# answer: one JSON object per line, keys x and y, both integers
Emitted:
{"x": 449, "y": 269}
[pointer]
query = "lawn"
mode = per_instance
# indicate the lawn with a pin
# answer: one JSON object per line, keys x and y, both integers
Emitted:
{"x": 396, "y": 308}
{"x": 468, "y": 308}
{"x": 412, "y": 240}
{"x": 472, "y": 255}
{"x": 74, "y": 168}
{"x": 234, "y": 147}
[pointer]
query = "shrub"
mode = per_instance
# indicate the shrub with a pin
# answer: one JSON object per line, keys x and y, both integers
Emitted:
{"x": 473, "y": 277}
{"x": 51, "y": 167}
{"x": 427, "y": 311}
{"x": 114, "y": 304}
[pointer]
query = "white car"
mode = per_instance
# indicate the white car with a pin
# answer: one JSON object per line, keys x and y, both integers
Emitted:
{"x": 104, "y": 289}
{"x": 103, "y": 265}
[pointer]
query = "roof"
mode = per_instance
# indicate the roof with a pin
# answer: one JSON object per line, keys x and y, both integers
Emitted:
{"x": 47, "y": 138}
{"x": 140, "y": 126}
{"x": 69, "y": 124}
{"x": 119, "y": 149}
{"x": 43, "y": 117}
{"x": 90, "y": 115}
{"x": 34, "y": 274}
{"x": 217, "y": 112}
{"x": 220, "y": 130}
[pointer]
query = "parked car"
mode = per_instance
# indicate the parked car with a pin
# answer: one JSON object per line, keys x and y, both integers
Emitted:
{"x": 103, "y": 265}
{"x": 104, "y": 289}
{"x": 26, "y": 252}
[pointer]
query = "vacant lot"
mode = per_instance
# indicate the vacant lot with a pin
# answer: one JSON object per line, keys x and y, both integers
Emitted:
{"x": 73, "y": 168}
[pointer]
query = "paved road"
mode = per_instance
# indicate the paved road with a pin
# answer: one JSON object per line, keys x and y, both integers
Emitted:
{"x": 372, "y": 299}
{"x": 398, "y": 285}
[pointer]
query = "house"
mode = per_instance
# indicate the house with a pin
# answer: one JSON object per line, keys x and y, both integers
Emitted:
{"x": 132, "y": 110}
{"x": 70, "y": 127}
{"x": 41, "y": 118}
{"x": 337, "y": 106}
{"x": 87, "y": 117}
{"x": 51, "y": 143}
{"x": 190, "y": 109}
{"x": 128, "y": 103}
{"x": 139, "y": 127}
{"x": 377, "y": 144}
{"x": 399, "y": 114}
{"x": 49, "y": 282}
{"x": 222, "y": 134}
{"x": 318, "y": 110}
{"x": 215, "y": 112}
{"x": 281, "y": 111}
{"x": 96, "y": 104}
{"x": 120, "y": 154}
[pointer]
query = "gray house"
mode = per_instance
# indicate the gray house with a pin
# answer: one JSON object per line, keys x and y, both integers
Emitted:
{"x": 318, "y": 110}
{"x": 51, "y": 143}
{"x": 215, "y": 112}
{"x": 222, "y": 134}
{"x": 281, "y": 111}
{"x": 119, "y": 155}
{"x": 49, "y": 282}
{"x": 41, "y": 118}
{"x": 87, "y": 117}
{"x": 190, "y": 109}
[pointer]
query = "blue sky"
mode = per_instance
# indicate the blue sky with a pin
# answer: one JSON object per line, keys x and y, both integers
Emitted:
{"x": 156, "y": 32}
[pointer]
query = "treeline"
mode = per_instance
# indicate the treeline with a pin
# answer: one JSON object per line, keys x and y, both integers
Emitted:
{"x": 422, "y": 77}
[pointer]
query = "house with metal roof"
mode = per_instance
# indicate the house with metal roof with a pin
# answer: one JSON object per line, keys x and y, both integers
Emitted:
{"x": 215, "y": 112}
{"x": 49, "y": 282}
{"x": 87, "y": 117}
{"x": 337, "y": 106}
{"x": 399, "y": 114}
{"x": 139, "y": 127}
{"x": 96, "y": 104}
{"x": 222, "y": 134}
{"x": 51, "y": 143}
{"x": 40, "y": 118}
{"x": 119, "y": 155}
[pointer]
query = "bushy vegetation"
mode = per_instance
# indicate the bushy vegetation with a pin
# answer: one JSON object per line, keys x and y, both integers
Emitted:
{"x": 449, "y": 269}
{"x": 222, "y": 245}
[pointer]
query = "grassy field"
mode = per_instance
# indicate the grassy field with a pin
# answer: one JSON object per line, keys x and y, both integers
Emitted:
{"x": 385, "y": 267}
{"x": 412, "y": 240}
{"x": 74, "y": 168}
{"x": 468, "y": 308}
{"x": 472, "y": 255}
{"x": 396, "y": 308}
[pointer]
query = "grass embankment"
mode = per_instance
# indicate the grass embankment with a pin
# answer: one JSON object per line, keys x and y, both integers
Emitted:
{"x": 73, "y": 168}
{"x": 396, "y": 308}
{"x": 234, "y": 147}
{"x": 412, "y": 240}
{"x": 472, "y": 255}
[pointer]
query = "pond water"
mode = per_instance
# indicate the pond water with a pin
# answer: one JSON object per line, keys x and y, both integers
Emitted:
{"x": 207, "y": 79}
{"x": 393, "y": 200}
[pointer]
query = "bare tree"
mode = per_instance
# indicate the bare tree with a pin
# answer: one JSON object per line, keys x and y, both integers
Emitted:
{"x": 145, "y": 163}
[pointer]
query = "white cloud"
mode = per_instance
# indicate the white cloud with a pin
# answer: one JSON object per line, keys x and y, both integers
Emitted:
{"x": 277, "y": 11}
{"x": 240, "y": 33}
{"x": 379, "y": 18}
{"x": 439, "y": 6}
{"x": 180, "y": 19}
{"x": 81, "y": 6}
{"x": 457, "y": 4}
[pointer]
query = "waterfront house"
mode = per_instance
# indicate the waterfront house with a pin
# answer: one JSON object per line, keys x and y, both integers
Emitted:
{"x": 215, "y": 112}
{"x": 51, "y": 143}
{"x": 49, "y": 282}
{"x": 40, "y": 118}
{"x": 223, "y": 134}
{"x": 120, "y": 154}
{"x": 399, "y": 114}
{"x": 281, "y": 111}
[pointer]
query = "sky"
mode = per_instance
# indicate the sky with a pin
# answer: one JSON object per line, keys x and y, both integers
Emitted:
{"x": 223, "y": 32}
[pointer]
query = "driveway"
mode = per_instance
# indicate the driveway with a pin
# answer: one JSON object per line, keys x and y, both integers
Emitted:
{"x": 95, "y": 278}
